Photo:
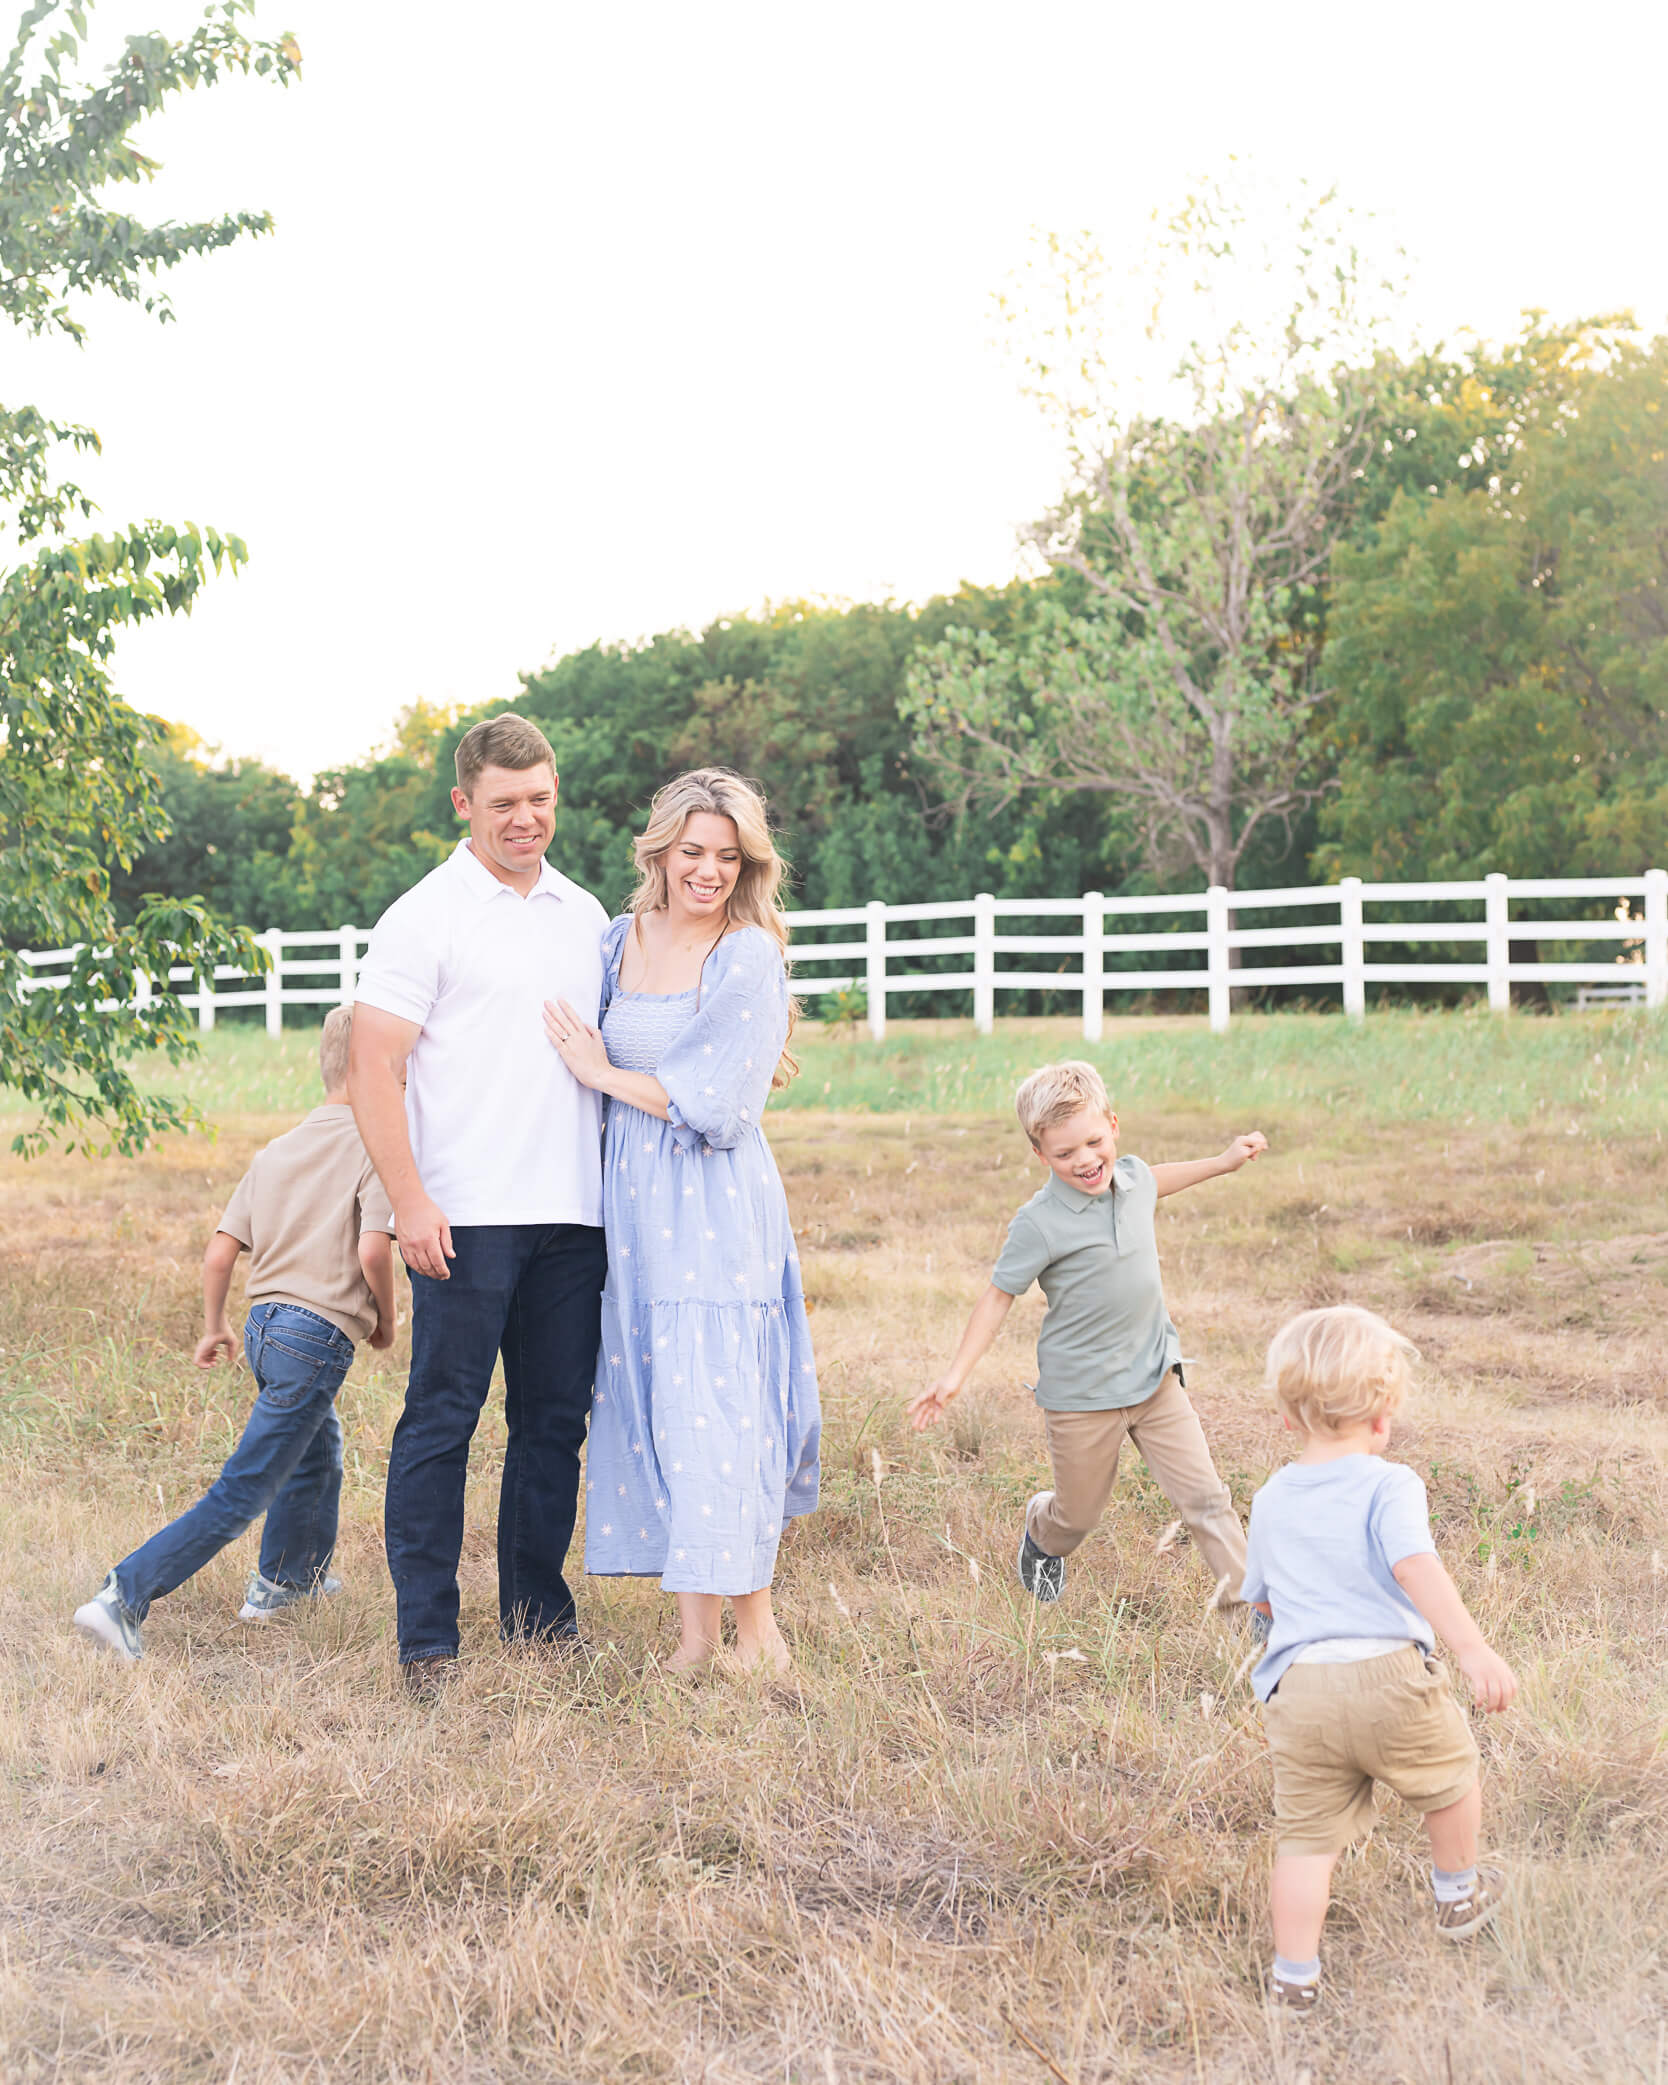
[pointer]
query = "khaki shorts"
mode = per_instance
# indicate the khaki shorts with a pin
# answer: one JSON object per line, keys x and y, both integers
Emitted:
{"x": 1333, "y": 1730}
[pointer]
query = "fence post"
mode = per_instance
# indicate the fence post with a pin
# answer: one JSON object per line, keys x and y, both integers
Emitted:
{"x": 984, "y": 962}
{"x": 143, "y": 993}
{"x": 875, "y": 935}
{"x": 350, "y": 963}
{"x": 1094, "y": 966}
{"x": 274, "y": 982}
{"x": 1216, "y": 955}
{"x": 1656, "y": 937}
{"x": 1353, "y": 947}
{"x": 1496, "y": 916}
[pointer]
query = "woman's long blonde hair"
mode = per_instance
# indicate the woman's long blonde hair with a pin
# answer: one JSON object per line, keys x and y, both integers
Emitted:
{"x": 756, "y": 900}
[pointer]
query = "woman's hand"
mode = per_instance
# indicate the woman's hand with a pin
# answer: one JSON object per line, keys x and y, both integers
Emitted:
{"x": 576, "y": 1042}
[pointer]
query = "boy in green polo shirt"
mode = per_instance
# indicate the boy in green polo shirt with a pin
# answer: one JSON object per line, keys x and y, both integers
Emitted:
{"x": 1108, "y": 1357}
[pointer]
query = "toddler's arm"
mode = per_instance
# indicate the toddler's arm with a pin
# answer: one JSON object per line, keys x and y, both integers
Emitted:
{"x": 982, "y": 1327}
{"x": 376, "y": 1263}
{"x": 219, "y": 1258}
{"x": 1424, "y": 1578}
{"x": 1170, "y": 1180}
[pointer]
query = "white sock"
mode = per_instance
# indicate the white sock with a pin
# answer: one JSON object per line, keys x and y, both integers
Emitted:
{"x": 1296, "y": 1972}
{"x": 1452, "y": 1888}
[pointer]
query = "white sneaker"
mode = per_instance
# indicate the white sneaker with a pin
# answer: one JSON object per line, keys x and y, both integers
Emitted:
{"x": 107, "y": 1621}
{"x": 262, "y": 1599}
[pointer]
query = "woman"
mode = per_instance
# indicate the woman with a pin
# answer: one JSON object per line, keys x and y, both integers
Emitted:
{"x": 704, "y": 1422}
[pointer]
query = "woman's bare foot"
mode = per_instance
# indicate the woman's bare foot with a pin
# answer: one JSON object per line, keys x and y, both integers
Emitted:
{"x": 766, "y": 1653}
{"x": 691, "y": 1657}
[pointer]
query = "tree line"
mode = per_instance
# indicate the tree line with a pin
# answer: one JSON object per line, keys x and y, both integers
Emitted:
{"x": 1481, "y": 666}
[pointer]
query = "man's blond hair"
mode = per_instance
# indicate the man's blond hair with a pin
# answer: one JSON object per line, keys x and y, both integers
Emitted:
{"x": 1337, "y": 1368}
{"x": 502, "y": 741}
{"x": 1058, "y": 1092}
{"x": 334, "y": 1037}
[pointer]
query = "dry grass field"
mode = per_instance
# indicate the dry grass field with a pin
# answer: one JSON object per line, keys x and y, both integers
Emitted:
{"x": 968, "y": 1840}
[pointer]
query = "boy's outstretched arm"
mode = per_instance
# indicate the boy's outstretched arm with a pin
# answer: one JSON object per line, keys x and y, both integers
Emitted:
{"x": 219, "y": 1258}
{"x": 1424, "y": 1578}
{"x": 982, "y": 1327}
{"x": 1188, "y": 1172}
{"x": 376, "y": 1263}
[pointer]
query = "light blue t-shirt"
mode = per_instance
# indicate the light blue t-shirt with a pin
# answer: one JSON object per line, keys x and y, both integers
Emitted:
{"x": 1324, "y": 1540}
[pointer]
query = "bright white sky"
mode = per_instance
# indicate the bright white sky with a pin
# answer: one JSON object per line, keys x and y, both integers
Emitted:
{"x": 582, "y": 322}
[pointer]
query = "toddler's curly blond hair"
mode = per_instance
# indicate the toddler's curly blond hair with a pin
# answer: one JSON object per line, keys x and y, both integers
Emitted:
{"x": 1339, "y": 1367}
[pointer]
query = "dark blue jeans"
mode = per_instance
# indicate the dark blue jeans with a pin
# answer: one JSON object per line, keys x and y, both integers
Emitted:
{"x": 287, "y": 1464}
{"x": 532, "y": 1292}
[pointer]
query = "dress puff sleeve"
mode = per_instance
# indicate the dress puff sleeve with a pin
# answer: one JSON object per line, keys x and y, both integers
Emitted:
{"x": 612, "y": 943}
{"x": 717, "y": 1073}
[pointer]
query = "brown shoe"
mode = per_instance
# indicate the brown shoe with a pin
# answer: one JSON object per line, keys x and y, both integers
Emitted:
{"x": 426, "y": 1679}
{"x": 1294, "y": 1998}
{"x": 1470, "y": 1914}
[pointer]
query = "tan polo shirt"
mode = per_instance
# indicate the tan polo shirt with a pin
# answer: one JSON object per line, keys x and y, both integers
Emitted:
{"x": 300, "y": 1209}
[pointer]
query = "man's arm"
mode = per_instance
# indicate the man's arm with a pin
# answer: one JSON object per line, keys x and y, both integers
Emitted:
{"x": 219, "y": 1258}
{"x": 1424, "y": 1578}
{"x": 982, "y": 1327}
{"x": 377, "y": 1053}
{"x": 376, "y": 1263}
{"x": 1170, "y": 1180}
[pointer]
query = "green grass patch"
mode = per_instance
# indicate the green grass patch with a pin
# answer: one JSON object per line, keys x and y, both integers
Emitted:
{"x": 1599, "y": 1073}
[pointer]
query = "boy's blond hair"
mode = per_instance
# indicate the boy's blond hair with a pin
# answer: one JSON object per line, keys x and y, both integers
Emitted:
{"x": 1058, "y": 1092}
{"x": 334, "y": 1037}
{"x": 502, "y": 741}
{"x": 1337, "y": 1368}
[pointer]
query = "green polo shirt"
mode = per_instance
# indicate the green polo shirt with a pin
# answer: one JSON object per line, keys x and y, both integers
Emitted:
{"x": 1107, "y": 1339}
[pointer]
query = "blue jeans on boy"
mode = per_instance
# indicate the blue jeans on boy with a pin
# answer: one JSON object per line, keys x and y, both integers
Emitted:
{"x": 532, "y": 1292}
{"x": 287, "y": 1465}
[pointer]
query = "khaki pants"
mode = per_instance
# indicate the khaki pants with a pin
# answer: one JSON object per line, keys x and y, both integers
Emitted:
{"x": 1084, "y": 1448}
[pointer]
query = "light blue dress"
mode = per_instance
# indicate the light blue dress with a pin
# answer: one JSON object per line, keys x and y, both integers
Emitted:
{"x": 704, "y": 1420}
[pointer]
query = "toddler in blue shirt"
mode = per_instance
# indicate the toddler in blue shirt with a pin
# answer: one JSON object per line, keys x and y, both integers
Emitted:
{"x": 1340, "y": 1547}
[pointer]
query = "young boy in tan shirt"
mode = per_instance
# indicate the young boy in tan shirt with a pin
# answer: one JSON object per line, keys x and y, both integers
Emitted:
{"x": 314, "y": 1220}
{"x": 1351, "y": 1689}
{"x": 1108, "y": 1358}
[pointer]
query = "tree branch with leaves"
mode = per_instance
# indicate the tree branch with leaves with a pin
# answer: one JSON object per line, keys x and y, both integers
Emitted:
{"x": 74, "y": 791}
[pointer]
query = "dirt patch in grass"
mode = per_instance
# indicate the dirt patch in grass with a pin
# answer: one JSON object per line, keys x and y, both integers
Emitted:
{"x": 966, "y": 1829}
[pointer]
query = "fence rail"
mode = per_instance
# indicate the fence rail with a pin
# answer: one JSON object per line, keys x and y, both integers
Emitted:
{"x": 321, "y": 968}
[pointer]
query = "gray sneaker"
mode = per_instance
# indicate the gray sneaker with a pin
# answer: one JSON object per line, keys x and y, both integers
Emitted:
{"x": 107, "y": 1621}
{"x": 262, "y": 1599}
{"x": 1043, "y": 1576}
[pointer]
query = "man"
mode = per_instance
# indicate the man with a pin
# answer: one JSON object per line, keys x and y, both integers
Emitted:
{"x": 491, "y": 1160}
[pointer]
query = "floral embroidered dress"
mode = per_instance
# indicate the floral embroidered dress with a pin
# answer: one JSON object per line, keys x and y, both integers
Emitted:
{"x": 704, "y": 1420}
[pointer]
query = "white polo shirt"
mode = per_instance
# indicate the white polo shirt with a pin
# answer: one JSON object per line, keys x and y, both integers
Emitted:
{"x": 501, "y": 1130}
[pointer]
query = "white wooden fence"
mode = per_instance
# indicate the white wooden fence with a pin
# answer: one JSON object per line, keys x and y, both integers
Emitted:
{"x": 320, "y": 968}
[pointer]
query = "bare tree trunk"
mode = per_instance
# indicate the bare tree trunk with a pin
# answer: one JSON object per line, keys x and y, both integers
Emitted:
{"x": 1531, "y": 995}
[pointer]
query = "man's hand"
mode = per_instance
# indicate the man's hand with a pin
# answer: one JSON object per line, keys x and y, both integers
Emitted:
{"x": 383, "y": 1337}
{"x": 1243, "y": 1149}
{"x": 927, "y": 1409}
{"x": 217, "y": 1340}
{"x": 1493, "y": 1681}
{"x": 424, "y": 1238}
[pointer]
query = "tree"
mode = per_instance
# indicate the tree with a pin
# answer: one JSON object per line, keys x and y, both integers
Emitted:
{"x": 1173, "y": 668}
{"x": 370, "y": 831}
{"x": 1500, "y": 653}
{"x": 75, "y": 789}
{"x": 230, "y": 827}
